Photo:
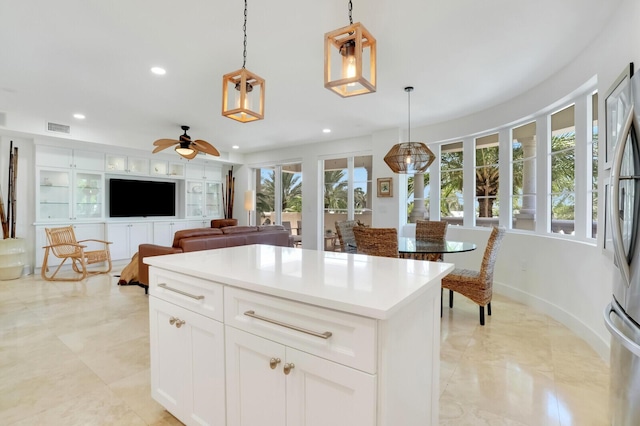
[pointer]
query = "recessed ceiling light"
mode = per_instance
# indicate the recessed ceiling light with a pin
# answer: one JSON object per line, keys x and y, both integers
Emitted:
{"x": 235, "y": 147}
{"x": 326, "y": 130}
{"x": 79, "y": 116}
{"x": 158, "y": 71}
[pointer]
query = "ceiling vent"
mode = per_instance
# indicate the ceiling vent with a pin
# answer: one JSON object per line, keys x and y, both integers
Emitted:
{"x": 58, "y": 128}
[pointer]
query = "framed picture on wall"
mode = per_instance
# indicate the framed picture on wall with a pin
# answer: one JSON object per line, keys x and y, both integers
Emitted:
{"x": 616, "y": 104}
{"x": 385, "y": 187}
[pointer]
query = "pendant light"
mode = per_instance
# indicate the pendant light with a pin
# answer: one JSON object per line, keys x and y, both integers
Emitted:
{"x": 352, "y": 51}
{"x": 242, "y": 90}
{"x": 409, "y": 157}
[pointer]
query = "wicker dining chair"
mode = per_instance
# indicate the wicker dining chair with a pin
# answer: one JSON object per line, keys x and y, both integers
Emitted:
{"x": 431, "y": 230}
{"x": 376, "y": 241}
{"x": 476, "y": 285}
{"x": 63, "y": 245}
{"x": 344, "y": 229}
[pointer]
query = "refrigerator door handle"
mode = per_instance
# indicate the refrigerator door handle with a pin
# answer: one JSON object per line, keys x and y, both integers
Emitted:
{"x": 619, "y": 250}
{"x": 632, "y": 346}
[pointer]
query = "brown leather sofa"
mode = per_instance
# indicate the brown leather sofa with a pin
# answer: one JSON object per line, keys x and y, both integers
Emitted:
{"x": 212, "y": 238}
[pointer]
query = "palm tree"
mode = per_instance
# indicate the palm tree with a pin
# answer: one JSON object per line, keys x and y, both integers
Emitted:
{"x": 291, "y": 193}
{"x": 335, "y": 190}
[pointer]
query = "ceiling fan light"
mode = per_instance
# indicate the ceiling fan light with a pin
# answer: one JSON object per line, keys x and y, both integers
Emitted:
{"x": 184, "y": 151}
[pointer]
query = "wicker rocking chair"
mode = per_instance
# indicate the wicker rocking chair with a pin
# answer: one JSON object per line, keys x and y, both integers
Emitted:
{"x": 63, "y": 245}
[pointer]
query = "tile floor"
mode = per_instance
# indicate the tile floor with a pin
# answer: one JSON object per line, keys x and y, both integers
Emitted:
{"x": 77, "y": 354}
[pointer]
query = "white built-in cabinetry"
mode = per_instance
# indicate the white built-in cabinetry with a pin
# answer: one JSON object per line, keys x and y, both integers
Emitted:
{"x": 69, "y": 185}
{"x": 162, "y": 168}
{"x": 126, "y": 237}
{"x": 127, "y": 164}
{"x": 203, "y": 191}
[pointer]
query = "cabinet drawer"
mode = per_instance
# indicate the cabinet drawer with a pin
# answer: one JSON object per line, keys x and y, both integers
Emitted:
{"x": 352, "y": 339}
{"x": 195, "y": 294}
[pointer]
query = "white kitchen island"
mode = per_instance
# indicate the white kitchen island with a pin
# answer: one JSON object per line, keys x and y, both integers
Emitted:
{"x": 264, "y": 335}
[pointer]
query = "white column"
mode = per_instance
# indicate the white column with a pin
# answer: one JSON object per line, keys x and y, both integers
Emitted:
{"x": 528, "y": 175}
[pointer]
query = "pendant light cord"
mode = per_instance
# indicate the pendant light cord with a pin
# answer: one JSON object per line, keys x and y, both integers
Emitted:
{"x": 244, "y": 29}
{"x": 409, "y": 90}
{"x": 350, "y": 10}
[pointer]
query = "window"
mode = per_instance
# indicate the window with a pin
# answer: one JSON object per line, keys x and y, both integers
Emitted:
{"x": 523, "y": 172}
{"x": 451, "y": 179}
{"x": 562, "y": 160}
{"x": 593, "y": 144}
{"x": 347, "y": 190}
{"x": 287, "y": 205}
{"x": 487, "y": 180}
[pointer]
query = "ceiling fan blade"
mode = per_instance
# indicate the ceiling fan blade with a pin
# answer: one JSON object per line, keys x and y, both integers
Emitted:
{"x": 166, "y": 142}
{"x": 160, "y": 148}
{"x": 206, "y": 147}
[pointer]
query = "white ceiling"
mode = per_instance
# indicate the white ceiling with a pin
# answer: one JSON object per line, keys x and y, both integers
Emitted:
{"x": 65, "y": 56}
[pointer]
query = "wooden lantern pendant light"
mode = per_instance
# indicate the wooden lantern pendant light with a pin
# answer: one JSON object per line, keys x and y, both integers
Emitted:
{"x": 354, "y": 49}
{"x": 242, "y": 90}
{"x": 409, "y": 157}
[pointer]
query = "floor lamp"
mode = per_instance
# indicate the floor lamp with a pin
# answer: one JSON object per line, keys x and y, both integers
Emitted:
{"x": 249, "y": 202}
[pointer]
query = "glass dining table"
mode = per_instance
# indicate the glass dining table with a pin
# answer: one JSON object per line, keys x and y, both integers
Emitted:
{"x": 409, "y": 247}
{"x": 412, "y": 248}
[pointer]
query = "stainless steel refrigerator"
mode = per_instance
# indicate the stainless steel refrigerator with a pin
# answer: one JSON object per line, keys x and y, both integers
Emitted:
{"x": 622, "y": 315}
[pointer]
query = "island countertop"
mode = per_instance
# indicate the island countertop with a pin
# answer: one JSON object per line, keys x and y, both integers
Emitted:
{"x": 374, "y": 287}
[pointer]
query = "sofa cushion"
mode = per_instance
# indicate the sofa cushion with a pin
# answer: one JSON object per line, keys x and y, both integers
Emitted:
{"x": 202, "y": 243}
{"x": 221, "y": 223}
{"x": 197, "y": 232}
{"x": 238, "y": 229}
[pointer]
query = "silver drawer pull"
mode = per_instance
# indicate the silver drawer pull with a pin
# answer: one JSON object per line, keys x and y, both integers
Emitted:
{"x": 324, "y": 335}
{"x": 184, "y": 293}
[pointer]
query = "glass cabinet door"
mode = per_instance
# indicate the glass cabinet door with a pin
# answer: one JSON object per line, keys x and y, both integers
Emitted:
{"x": 54, "y": 202}
{"x": 213, "y": 206}
{"x": 88, "y": 195}
{"x": 194, "y": 198}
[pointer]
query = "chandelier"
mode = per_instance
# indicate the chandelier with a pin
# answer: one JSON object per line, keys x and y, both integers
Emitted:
{"x": 409, "y": 157}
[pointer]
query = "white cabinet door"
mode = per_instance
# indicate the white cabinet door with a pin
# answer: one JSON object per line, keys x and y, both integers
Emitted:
{"x": 53, "y": 156}
{"x": 139, "y": 233}
{"x": 187, "y": 363}
{"x": 255, "y": 380}
{"x": 266, "y": 381}
{"x": 66, "y": 195}
{"x": 322, "y": 392}
{"x": 88, "y": 160}
{"x": 126, "y": 237}
{"x": 163, "y": 232}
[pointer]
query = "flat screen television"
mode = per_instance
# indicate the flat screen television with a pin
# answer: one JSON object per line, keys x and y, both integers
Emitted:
{"x": 141, "y": 198}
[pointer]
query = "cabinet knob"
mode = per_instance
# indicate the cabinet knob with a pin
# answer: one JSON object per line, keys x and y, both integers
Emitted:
{"x": 172, "y": 320}
{"x": 288, "y": 367}
{"x": 180, "y": 323}
{"x": 274, "y": 362}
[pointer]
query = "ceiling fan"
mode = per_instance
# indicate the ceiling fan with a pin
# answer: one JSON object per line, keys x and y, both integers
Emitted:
{"x": 186, "y": 147}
